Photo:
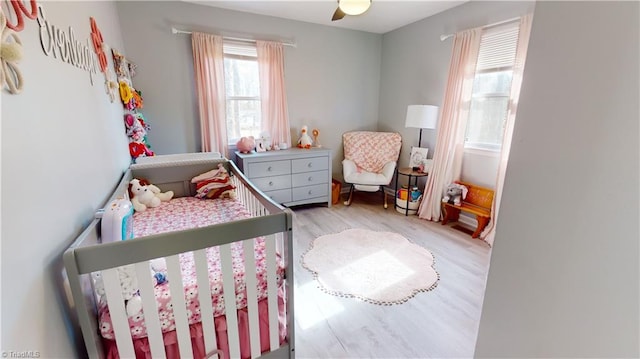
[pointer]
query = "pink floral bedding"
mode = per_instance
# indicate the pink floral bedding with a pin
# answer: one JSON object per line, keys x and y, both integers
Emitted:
{"x": 183, "y": 213}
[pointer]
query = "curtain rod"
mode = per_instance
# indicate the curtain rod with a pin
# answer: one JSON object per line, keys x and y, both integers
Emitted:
{"x": 176, "y": 31}
{"x": 444, "y": 37}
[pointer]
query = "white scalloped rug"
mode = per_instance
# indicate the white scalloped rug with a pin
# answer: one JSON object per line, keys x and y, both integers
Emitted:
{"x": 376, "y": 267}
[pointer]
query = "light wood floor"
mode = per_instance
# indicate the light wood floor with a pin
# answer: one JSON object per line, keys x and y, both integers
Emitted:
{"x": 442, "y": 323}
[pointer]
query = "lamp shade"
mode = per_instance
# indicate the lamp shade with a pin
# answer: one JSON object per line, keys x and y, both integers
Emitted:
{"x": 422, "y": 116}
{"x": 354, "y": 7}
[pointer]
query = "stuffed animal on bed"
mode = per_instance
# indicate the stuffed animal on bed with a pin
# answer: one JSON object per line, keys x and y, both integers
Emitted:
{"x": 214, "y": 184}
{"x": 129, "y": 284}
{"x": 143, "y": 195}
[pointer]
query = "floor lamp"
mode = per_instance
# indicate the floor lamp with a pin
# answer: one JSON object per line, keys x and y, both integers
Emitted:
{"x": 421, "y": 116}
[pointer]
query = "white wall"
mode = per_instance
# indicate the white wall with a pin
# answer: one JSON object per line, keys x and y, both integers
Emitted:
{"x": 332, "y": 76}
{"x": 564, "y": 276}
{"x": 63, "y": 149}
{"x": 480, "y": 167}
{"x": 415, "y": 64}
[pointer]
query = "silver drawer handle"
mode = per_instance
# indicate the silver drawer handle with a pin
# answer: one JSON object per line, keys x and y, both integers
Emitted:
{"x": 269, "y": 169}
{"x": 309, "y": 165}
{"x": 270, "y": 183}
{"x": 310, "y": 191}
{"x": 310, "y": 179}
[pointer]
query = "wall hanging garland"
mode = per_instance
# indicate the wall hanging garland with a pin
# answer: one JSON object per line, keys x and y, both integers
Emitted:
{"x": 10, "y": 55}
{"x": 135, "y": 124}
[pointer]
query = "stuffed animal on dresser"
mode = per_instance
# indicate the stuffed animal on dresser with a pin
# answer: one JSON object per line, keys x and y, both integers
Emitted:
{"x": 305, "y": 139}
{"x": 144, "y": 195}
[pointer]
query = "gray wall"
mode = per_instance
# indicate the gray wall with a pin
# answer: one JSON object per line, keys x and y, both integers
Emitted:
{"x": 332, "y": 77}
{"x": 564, "y": 273}
{"x": 415, "y": 64}
{"x": 63, "y": 149}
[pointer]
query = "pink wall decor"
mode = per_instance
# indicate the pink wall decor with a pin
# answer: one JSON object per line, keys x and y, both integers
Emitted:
{"x": 20, "y": 9}
{"x": 96, "y": 37}
{"x": 99, "y": 46}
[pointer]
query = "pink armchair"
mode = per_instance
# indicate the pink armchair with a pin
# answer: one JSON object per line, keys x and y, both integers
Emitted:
{"x": 370, "y": 160}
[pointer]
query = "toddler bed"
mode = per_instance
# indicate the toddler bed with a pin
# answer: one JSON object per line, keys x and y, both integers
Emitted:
{"x": 238, "y": 245}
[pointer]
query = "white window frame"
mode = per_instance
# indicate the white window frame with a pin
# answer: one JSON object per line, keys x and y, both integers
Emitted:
{"x": 490, "y": 147}
{"x": 236, "y": 51}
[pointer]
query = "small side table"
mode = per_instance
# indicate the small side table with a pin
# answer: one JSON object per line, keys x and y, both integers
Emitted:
{"x": 406, "y": 171}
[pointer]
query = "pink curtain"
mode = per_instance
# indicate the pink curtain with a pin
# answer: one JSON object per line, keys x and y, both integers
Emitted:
{"x": 516, "y": 82}
{"x": 447, "y": 159}
{"x": 275, "y": 116}
{"x": 208, "y": 63}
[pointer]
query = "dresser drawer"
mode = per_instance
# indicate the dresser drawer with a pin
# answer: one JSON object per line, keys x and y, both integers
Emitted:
{"x": 280, "y": 196}
{"x": 272, "y": 168}
{"x": 309, "y": 178}
{"x": 302, "y": 193}
{"x": 309, "y": 164}
{"x": 272, "y": 183}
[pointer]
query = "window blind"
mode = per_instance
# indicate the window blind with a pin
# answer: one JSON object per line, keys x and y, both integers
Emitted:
{"x": 239, "y": 49}
{"x": 498, "y": 47}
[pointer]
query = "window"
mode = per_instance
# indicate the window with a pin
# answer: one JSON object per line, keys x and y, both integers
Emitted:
{"x": 242, "y": 85}
{"x": 492, "y": 88}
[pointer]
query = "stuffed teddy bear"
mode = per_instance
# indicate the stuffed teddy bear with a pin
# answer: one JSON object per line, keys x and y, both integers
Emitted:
{"x": 143, "y": 194}
{"x": 455, "y": 194}
{"x": 305, "y": 139}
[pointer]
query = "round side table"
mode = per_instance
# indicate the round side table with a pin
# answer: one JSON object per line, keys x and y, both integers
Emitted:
{"x": 412, "y": 174}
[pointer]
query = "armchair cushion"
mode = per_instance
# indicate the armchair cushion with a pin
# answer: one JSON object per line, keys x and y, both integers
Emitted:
{"x": 371, "y": 151}
{"x": 352, "y": 174}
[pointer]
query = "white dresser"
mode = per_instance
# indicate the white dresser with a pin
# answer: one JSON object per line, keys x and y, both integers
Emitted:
{"x": 291, "y": 177}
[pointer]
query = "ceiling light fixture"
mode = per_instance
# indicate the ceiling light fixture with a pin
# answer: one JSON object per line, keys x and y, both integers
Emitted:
{"x": 354, "y": 7}
{"x": 350, "y": 7}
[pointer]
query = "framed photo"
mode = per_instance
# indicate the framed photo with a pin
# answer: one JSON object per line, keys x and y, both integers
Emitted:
{"x": 418, "y": 156}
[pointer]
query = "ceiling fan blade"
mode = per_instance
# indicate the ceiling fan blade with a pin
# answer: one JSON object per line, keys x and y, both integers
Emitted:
{"x": 339, "y": 14}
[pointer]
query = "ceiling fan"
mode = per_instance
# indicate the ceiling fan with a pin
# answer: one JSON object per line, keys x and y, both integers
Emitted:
{"x": 350, "y": 7}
